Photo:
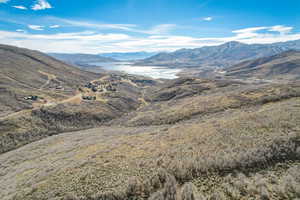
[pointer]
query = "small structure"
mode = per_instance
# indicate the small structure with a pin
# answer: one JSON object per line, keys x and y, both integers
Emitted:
{"x": 31, "y": 98}
{"x": 89, "y": 98}
{"x": 59, "y": 87}
{"x": 89, "y": 85}
{"x": 94, "y": 89}
{"x": 111, "y": 88}
{"x": 102, "y": 86}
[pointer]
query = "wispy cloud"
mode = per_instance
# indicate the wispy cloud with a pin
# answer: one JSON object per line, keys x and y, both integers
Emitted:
{"x": 36, "y": 27}
{"x": 41, "y": 5}
{"x": 95, "y": 42}
{"x": 248, "y": 32}
{"x": 4, "y": 1}
{"x": 87, "y": 41}
{"x": 102, "y": 26}
{"x": 20, "y": 7}
{"x": 54, "y": 26}
{"x": 20, "y": 30}
{"x": 281, "y": 29}
{"x": 158, "y": 29}
{"x": 207, "y": 18}
{"x": 266, "y": 34}
{"x": 254, "y": 32}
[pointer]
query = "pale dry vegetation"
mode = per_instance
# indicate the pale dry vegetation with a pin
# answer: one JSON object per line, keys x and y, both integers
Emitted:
{"x": 217, "y": 100}
{"x": 157, "y": 162}
{"x": 255, "y": 156}
{"x": 183, "y": 139}
{"x": 65, "y": 113}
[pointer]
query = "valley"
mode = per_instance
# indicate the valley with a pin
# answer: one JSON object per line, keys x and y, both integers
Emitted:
{"x": 223, "y": 133}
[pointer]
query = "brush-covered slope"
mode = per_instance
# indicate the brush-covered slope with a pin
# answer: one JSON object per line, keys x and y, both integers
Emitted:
{"x": 24, "y": 72}
{"x": 91, "y": 105}
{"x": 223, "y": 55}
{"x": 284, "y": 65}
{"x": 41, "y": 96}
{"x": 181, "y": 139}
{"x": 231, "y": 141}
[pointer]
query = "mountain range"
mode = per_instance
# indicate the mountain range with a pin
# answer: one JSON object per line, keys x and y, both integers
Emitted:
{"x": 283, "y": 65}
{"x": 129, "y": 55}
{"x": 224, "y": 55}
{"x": 81, "y": 59}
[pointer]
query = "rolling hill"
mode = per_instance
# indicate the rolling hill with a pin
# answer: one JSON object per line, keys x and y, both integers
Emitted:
{"x": 224, "y": 55}
{"x": 285, "y": 65}
{"x": 223, "y": 140}
{"x": 41, "y": 96}
{"x": 25, "y": 72}
{"x": 116, "y": 136}
{"x": 81, "y": 59}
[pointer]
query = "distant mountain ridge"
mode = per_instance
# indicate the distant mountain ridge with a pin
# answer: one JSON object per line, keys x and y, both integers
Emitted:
{"x": 224, "y": 55}
{"x": 129, "y": 55}
{"x": 283, "y": 65}
{"x": 78, "y": 59}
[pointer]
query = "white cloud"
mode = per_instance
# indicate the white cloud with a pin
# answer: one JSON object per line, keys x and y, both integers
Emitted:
{"x": 36, "y": 27}
{"x": 20, "y": 7}
{"x": 54, "y": 26}
{"x": 207, "y": 18}
{"x": 4, "y": 1}
{"x": 95, "y": 42}
{"x": 91, "y": 25}
{"x": 281, "y": 29}
{"x": 248, "y": 32}
{"x": 41, "y": 5}
{"x": 265, "y": 35}
{"x": 158, "y": 29}
{"x": 20, "y": 30}
{"x": 85, "y": 42}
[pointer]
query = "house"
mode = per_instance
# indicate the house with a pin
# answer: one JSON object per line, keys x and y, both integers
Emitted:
{"x": 89, "y": 98}
{"x": 32, "y": 98}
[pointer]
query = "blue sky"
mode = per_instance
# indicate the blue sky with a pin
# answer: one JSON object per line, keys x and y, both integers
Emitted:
{"x": 95, "y": 26}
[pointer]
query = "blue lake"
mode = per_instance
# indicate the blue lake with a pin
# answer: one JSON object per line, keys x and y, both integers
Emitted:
{"x": 150, "y": 71}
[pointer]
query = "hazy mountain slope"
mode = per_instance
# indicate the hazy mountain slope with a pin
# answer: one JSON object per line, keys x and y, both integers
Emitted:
{"x": 25, "y": 72}
{"x": 129, "y": 55}
{"x": 79, "y": 59}
{"x": 284, "y": 65}
{"x": 219, "y": 56}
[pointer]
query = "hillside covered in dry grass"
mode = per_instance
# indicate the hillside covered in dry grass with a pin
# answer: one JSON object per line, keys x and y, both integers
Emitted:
{"x": 41, "y": 96}
{"x": 117, "y": 137}
{"x": 284, "y": 65}
{"x": 229, "y": 150}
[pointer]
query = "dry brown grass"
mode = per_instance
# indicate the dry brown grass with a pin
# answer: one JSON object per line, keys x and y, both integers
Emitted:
{"x": 162, "y": 150}
{"x": 174, "y": 111}
{"x": 204, "y": 152}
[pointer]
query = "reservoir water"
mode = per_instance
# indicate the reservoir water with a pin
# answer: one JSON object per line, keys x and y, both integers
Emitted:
{"x": 150, "y": 71}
